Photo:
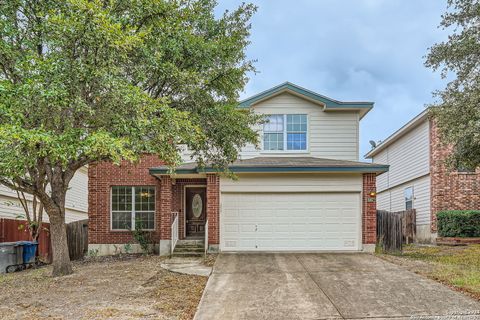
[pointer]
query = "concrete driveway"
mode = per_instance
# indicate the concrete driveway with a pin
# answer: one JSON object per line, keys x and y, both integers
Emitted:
{"x": 323, "y": 286}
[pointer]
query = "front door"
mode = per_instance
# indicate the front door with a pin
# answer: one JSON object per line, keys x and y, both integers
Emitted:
{"x": 195, "y": 211}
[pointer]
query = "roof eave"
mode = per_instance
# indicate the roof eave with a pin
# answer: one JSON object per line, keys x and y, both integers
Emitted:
{"x": 328, "y": 103}
{"x": 398, "y": 134}
{"x": 277, "y": 169}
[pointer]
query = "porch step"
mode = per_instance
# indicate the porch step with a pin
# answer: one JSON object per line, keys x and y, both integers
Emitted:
{"x": 187, "y": 254}
{"x": 189, "y": 248}
{"x": 195, "y": 242}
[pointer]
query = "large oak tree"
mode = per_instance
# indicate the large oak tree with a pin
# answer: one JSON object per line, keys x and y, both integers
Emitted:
{"x": 457, "y": 111}
{"x": 90, "y": 80}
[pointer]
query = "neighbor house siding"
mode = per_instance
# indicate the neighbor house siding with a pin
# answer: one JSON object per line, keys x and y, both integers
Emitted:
{"x": 408, "y": 157}
{"x": 293, "y": 183}
{"x": 394, "y": 198}
{"x": 76, "y": 202}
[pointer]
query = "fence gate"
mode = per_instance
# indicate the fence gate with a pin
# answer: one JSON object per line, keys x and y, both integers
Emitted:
{"x": 77, "y": 238}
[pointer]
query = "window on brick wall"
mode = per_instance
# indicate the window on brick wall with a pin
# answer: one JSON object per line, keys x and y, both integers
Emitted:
{"x": 133, "y": 208}
{"x": 408, "y": 198}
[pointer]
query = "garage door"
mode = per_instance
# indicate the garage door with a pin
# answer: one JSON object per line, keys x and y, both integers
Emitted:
{"x": 290, "y": 221}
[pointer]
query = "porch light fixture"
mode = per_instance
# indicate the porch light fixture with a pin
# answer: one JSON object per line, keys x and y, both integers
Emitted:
{"x": 372, "y": 194}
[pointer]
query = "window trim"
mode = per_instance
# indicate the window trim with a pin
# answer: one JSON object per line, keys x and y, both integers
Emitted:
{"x": 285, "y": 133}
{"x": 405, "y": 198}
{"x": 133, "y": 208}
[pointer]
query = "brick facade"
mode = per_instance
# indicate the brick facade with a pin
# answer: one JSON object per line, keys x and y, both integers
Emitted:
{"x": 369, "y": 209}
{"x": 213, "y": 208}
{"x": 450, "y": 190}
{"x": 169, "y": 198}
{"x": 101, "y": 177}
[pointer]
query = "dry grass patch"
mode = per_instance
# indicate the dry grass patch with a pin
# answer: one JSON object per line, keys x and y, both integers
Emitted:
{"x": 456, "y": 266}
{"x": 127, "y": 287}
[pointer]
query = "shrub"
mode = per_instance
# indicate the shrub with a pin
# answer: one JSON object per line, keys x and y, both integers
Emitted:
{"x": 143, "y": 238}
{"x": 459, "y": 223}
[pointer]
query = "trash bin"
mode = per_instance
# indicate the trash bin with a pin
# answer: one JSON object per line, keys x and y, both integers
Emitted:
{"x": 29, "y": 249}
{"x": 11, "y": 256}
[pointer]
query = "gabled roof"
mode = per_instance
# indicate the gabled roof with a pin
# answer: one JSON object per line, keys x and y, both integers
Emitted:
{"x": 281, "y": 165}
{"x": 422, "y": 116}
{"x": 327, "y": 103}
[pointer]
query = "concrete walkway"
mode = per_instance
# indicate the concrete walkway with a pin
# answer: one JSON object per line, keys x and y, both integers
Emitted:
{"x": 324, "y": 286}
{"x": 191, "y": 265}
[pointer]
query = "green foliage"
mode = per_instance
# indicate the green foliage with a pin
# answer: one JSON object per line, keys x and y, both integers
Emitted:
{"x": 457, "y": 110}
{"x": 144, "y": 238}
{"x": 83, "y": 81}
{"x": 88, "y": 80}
{"x": 93, "y": 253}
{"x": 127, "y": 248}
{"x": 459, "y": 223}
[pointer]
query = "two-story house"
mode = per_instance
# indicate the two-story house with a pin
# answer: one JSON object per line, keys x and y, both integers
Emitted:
{"x": 302, "y": 189}
{"x": 419, "y": 177}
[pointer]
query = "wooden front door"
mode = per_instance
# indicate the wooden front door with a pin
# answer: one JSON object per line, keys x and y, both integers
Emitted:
{"x": 196, "y": 211}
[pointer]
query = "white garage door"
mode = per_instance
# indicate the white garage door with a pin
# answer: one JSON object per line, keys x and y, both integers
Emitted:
{"x": 290, "y": 221}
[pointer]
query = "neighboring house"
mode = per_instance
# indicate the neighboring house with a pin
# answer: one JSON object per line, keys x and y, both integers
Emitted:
{"x": 419, "y": 178}
{"x": 76, "y": 201}
{"x": 301, "y": 190}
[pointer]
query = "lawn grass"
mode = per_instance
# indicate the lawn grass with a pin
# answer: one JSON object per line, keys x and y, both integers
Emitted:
{"x": 456, "y": 266}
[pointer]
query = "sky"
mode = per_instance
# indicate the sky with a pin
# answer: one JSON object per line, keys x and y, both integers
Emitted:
{"x": 350, "y": 50}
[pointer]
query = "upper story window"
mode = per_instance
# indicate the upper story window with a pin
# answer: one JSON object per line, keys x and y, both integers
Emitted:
{"x": 408, "y": 192}
{"x": 285, "y": 132}
{"x": 133, "y": 207}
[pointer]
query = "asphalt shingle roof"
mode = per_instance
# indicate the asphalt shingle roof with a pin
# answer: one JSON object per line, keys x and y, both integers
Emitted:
{"x": 279, "y": 164}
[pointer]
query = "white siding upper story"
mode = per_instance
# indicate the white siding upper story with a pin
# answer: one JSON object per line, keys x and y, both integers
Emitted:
{"x": 76, "y": 201}
{"x": 331, "y": 135}
{"x": 408, "y": 157}
{"x": 407, "y": 151}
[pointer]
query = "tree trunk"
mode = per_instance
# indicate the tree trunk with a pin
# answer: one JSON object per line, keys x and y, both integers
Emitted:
{"x": 58, "y": 232}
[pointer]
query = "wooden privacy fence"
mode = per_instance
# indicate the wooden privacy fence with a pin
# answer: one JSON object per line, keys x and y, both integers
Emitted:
{"x": 395, "y": 228}
{"x": 12, "y": 230}
{"x": 77, "y": 237}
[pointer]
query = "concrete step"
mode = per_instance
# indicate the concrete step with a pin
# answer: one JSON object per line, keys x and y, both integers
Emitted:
{"x": 188, "y": 246}
{"x": 187, "y": 254}
{"x": 194, "y": 242}
{"x": 189, "y": 249}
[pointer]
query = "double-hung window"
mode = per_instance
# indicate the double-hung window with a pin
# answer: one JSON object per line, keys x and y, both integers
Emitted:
{"x": 133, "y": 208}
{"x": 285, "y": 132}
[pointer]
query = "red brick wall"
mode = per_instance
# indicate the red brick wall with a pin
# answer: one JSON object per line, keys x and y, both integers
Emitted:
{"x": 101, "y": 177}
{"x": 169, "y": 198}
{"x": 369, "y": 209}
{"x": 450, "y": 190}
{"x": 213, "y": 208}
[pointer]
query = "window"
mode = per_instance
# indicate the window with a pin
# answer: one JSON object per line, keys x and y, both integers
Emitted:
{"x": 133, "y": 207}
{"x": 273, "y": 133}
{"x": 292, "y": 136}
{"x": 408, "y": 198}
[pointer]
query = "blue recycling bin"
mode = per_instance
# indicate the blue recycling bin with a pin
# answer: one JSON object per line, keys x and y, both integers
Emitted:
{"x": 29, "y": 249}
